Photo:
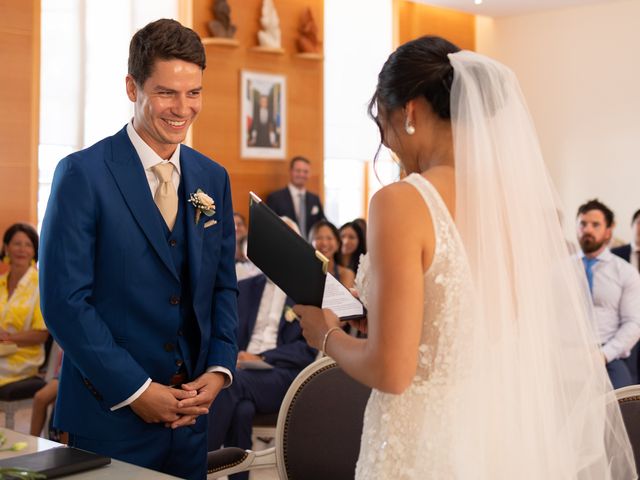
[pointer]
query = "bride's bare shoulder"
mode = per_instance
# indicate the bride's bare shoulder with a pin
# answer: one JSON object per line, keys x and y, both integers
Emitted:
{"x": 398, "y": 205}
{"x": 398, "y": 195}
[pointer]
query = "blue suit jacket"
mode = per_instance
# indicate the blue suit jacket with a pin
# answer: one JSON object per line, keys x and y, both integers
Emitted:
{"x": 281, "y": 203}
{"x": 623, "y": 252}
{"x": 292, "y": 351}
{"x": 107, "y": 282}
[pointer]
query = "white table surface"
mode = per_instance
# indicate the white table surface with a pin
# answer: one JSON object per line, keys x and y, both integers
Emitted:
{"x": 117, "y": 469}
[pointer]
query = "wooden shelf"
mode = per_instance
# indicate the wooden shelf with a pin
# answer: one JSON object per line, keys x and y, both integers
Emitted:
{"x": 309, "y": 56}
{"x": 268, "y": 50}
{"x": 222, "y": 41}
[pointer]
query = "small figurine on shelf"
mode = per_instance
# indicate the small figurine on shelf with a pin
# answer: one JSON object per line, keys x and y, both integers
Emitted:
{"x": 308, "y": 40}
{"x": 221, "y": 26}
{"x": 270, "y": 36}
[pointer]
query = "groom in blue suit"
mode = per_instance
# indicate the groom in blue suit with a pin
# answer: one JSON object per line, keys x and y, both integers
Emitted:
{"x": 137, "y": 274}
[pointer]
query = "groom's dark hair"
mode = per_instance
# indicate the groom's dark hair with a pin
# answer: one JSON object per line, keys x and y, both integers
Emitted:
{"x": 163, "y": 39}
{"x": 596, "y": 204}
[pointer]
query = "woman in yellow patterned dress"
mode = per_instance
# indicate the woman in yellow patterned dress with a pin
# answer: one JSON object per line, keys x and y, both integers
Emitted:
{"x": 21, "y": 321}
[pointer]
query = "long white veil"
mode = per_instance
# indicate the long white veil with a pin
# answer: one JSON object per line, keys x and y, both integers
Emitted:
{"x": 533, "y": 400}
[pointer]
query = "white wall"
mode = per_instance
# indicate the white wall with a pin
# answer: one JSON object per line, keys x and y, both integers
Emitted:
{"x": 579, "y": 69}
{"x": 84, "y": 50}
{"x": 354, "y": 54}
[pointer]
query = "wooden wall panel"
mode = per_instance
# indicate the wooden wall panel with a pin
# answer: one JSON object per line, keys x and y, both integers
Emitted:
{"x": 19, "y": 122}
{"x": 416, "y": 19}
{"x": 17, "y": 15}
{"x": 217, "y": 131}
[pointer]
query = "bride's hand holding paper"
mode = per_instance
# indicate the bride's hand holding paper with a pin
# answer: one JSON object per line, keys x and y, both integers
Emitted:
{"x": 317, "y": 324}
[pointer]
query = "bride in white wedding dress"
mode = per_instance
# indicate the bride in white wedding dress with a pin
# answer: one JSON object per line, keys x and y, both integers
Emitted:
{"x": 480, "y": 347}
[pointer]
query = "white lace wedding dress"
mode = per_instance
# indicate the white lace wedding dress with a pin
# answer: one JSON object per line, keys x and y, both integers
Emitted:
{"x": 395, "y": 424}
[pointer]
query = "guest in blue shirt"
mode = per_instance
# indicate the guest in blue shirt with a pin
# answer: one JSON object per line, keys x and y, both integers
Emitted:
{"x": 615, "y": 290}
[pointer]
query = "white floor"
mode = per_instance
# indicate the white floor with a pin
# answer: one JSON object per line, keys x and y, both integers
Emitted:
{"x": 23, "y": 419}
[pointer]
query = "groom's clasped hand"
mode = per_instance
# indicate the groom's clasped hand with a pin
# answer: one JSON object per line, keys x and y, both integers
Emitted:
{"x": 178, "y": 407}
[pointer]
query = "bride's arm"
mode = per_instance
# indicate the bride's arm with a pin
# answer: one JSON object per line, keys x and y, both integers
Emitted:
{"x": 401, "y": 240}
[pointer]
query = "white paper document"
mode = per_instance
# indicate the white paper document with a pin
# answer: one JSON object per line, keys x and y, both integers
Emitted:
{"x": 338, "y": 298}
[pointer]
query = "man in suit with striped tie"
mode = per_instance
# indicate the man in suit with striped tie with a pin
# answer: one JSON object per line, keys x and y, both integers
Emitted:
{"x": 295, "y": 201}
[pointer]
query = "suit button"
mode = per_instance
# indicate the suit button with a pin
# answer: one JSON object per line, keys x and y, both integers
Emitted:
{"x": 173, "y": 242}
{"x": 179, "y": 363}
{"x": 169, "y": 347}
{"x": 174, "y": 300}
{"x": 180, "y": 333}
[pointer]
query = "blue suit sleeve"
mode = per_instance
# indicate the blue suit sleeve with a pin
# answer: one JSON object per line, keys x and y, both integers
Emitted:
{"x": 223, "y": 350}
{"x": 67, "y": 259}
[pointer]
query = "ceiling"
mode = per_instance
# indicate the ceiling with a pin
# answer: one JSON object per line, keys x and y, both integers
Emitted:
{"x": 504, "y": 8}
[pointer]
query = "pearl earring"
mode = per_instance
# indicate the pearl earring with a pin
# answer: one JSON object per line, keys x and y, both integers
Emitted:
{"x": 410, "y": 129}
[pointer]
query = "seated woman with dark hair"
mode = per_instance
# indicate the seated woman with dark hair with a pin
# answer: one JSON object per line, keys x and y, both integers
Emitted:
{"x": 325, "y": 238}
{"x": 354, "y": 244}
{"x": 21, "y": 322}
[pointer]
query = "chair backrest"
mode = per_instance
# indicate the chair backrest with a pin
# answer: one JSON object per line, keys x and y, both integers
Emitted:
{"x": 320, "y": 424}
{"x": 629, "y": 401}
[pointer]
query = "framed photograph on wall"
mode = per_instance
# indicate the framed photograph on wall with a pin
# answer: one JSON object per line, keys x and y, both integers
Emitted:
{"x": 263, "y": 116}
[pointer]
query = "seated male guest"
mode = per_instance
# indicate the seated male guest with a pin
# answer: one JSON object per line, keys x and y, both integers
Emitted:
{"x": 631, "y": 253}
{"x": 263, "y": 334}
{"x": 614, "y": 286}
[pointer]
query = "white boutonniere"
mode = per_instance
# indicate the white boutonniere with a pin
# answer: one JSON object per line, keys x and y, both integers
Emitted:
{"x": 203, "y": 204}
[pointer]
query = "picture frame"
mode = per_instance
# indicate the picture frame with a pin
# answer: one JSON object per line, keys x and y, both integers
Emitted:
{"x": 263, "y": 119}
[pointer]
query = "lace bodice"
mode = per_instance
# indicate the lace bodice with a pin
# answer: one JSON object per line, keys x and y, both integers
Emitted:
{"x": 393, "y": 423}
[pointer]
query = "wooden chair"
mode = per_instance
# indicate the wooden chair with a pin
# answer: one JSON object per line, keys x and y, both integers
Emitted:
{"x": 317, "y": 433}
{"x": 19, "y": 395}
{"x": 629, "y": 401}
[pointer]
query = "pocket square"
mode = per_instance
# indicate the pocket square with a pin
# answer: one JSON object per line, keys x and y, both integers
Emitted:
{"x": 210, "y": 223}
{"x": 315, "y": 210}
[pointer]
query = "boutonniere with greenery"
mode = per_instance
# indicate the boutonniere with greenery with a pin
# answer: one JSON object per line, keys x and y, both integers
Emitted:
{"x": 203, "y": 204}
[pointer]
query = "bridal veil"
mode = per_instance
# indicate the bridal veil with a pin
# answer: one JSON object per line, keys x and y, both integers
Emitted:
{"x": 532, "y": 398}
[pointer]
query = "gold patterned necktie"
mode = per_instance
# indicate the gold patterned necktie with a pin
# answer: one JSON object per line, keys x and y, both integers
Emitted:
{"x": 166, "y": 197}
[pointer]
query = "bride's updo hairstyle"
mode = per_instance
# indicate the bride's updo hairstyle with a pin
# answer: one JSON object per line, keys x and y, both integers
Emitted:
{"x": 419, "y": 67}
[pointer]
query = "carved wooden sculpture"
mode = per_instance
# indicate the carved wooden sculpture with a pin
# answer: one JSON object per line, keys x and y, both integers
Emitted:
{"x": 221, "y": 26}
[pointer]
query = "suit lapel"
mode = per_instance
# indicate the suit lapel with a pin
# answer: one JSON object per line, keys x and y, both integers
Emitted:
{"x": 193, "y": 180}
{"x": 129, "y": 175}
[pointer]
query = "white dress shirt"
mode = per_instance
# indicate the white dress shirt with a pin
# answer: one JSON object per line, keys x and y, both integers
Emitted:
{"x": 149, "y": 159}
{"x": 616, "y": 300}
{"x": 265, "y": 331}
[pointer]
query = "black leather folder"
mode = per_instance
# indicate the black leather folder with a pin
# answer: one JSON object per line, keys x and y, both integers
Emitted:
{"x": 284, "y": 256}
{"x": 57, "y": 462}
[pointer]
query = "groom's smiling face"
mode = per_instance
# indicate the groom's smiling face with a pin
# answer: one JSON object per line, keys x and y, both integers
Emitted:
{"x": 166, "y": 104}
